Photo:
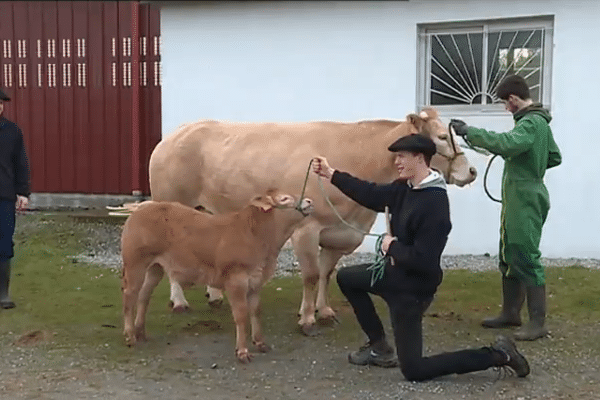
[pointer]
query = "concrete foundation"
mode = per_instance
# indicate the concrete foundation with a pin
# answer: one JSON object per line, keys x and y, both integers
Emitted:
{"x": 79, "y": 201}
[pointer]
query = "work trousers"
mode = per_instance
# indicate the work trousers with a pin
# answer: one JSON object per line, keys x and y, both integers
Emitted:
{"x": 406, "y": 312}
{"x": 7, "y": 229}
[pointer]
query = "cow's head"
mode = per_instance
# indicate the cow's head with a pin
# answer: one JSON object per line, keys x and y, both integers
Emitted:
{"x": 273, "y": 198}
{"x": 450, "y": 160}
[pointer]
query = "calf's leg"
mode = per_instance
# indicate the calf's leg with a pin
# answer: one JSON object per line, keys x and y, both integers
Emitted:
{"x": 153, "y": 276}
{"x": 132, "y": 281}
{"x": 237, "y": 293}
{"x": 255, "y": 311}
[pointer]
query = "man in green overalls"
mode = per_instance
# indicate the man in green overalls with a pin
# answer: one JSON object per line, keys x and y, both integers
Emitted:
{"x": 528, "y": 151}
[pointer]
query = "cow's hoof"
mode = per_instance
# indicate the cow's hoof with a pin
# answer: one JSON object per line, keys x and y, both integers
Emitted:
{"x": 215, "y": 303}
{"x": 310, "y": 330}
{"x": 129, "y": 342}
{"x": 243, "y": 356}
{"x": 180, "y": 309}
{"x": 262, "y": 347}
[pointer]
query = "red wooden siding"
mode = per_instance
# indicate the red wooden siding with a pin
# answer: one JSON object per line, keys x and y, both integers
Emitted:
{"x": 90, "y": 117}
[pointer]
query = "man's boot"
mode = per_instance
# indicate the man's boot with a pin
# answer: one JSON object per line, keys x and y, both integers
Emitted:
{"x": 5, "y": 301}
{"x": 536, "y": 305}
{"x": 513, "y": 297}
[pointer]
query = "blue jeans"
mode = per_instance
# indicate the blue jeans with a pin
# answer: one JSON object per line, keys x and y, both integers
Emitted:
{"x": 7, "y": 229}
{"x": 406, "y": 312}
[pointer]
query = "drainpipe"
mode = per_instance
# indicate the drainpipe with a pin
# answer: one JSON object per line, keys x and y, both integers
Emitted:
{"x": 135, "y": 100}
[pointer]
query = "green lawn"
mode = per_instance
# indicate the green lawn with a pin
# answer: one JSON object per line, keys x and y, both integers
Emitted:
{"x": 81, "y": 304}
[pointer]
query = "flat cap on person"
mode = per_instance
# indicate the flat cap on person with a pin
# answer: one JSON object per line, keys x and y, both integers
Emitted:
{"x": 4, "y": 96}
{"x": 415, "y": 143}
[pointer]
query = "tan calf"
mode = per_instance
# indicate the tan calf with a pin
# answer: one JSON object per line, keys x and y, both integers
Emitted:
{"x": 236, "y": 252}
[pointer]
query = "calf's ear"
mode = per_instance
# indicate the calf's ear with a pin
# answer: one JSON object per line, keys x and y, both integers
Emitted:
{"x": 264, "y": 203}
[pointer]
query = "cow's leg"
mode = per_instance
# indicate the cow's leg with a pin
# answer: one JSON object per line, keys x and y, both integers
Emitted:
{"x": 255, "y": 311}
{"x": 306, "y": 248}
{"x": 328, "y": 259}
{"x": 237, "y": 293}
{"x": 132, "y": 281}
{"x": 178, "y": 302}
{"x": 215, "y": 297}
{"x": 153, "y": 276}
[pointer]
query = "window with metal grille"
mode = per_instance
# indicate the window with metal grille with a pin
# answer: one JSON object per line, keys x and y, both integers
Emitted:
{"x": 461, "y": 64}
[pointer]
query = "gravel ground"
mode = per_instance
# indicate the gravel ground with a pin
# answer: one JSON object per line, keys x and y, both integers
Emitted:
{"x": 203, "y": 366}
{"x": 104, "y": 248}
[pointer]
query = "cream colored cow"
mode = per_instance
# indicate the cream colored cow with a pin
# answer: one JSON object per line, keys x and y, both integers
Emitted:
{"x": 219, "y": 165}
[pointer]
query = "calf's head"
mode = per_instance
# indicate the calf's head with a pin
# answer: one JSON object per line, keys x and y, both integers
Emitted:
{"x": 275, "y": 199}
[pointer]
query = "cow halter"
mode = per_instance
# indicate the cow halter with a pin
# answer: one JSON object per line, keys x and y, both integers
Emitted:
{"x": 455, "y": 151}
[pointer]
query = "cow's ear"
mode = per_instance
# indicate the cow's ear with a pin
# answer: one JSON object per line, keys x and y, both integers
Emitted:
{"x": 416, "y": 120}
{"x": 430, "y": 112}
{"x": 264, "y": 203}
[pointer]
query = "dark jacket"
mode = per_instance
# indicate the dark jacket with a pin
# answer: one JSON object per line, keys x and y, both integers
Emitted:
{"x": 420, "y": 219}
{"x": 14, "y": 167}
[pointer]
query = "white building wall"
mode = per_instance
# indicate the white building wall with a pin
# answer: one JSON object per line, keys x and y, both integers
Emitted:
{"x": 347, "y": 61}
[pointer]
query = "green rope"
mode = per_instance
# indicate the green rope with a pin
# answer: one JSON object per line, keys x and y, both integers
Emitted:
{"x": 487, "y": 168}
{"x": 378, "y": 267}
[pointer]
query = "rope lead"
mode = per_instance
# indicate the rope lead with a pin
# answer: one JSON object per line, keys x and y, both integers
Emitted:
{"x": 378, "y": 267}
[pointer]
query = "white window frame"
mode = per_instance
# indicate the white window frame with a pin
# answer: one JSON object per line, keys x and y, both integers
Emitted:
{"x": 426, "y": 30}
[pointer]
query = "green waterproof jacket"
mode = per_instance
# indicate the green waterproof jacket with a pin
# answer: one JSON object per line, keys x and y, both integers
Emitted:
{"x": 528, "y": 151}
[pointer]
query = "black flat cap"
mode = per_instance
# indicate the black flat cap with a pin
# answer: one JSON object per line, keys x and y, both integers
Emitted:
{"x": 4, "y": 96}
{"x": 415, "y": 143}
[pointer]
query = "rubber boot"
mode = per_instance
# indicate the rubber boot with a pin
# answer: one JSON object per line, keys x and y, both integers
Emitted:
{"x": 513, "y": 297}
{"x": 5, "y": 301}
{"x": 536, "y": 305}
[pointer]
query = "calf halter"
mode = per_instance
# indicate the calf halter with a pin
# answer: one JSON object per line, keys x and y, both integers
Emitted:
{"x": 299, "y": 204}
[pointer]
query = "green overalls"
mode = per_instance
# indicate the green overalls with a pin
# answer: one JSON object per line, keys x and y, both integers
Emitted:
{"x": 528, "y": 150}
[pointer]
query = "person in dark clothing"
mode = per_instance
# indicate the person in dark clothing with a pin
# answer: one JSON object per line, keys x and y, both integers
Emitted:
{"x": 14, "y": 193}
{"x": 420, "y": 224}
{"x": 528, "y": 151}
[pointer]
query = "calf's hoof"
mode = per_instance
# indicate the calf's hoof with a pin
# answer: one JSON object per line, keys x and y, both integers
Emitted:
{"x": 243, "y": 356}
{"x": 310, "y": 330}
{"x": 140, "y": 336}
{"x": 328, "y": 320}
{"x": 129, "y": 341}
{"x": 262, "y": 347}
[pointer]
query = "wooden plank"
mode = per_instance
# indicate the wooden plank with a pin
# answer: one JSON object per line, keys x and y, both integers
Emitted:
{"x": 52, "y": 149}
{"x": 112, "y": 86}
{"x": 123, "y": 134}
{"x": 64, "y": 84}
{"x": 97, "y": 126}
{"x": 81, "y": 117}
{"x": 37, "y": 99}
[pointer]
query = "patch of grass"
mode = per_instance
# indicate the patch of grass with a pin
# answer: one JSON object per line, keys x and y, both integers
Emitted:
{"x": 81, "y": 304}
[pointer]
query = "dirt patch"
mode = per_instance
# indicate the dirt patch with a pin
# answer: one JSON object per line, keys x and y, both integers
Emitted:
{"x": 194, "y": 364}
{"x": 33, "y": 338}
